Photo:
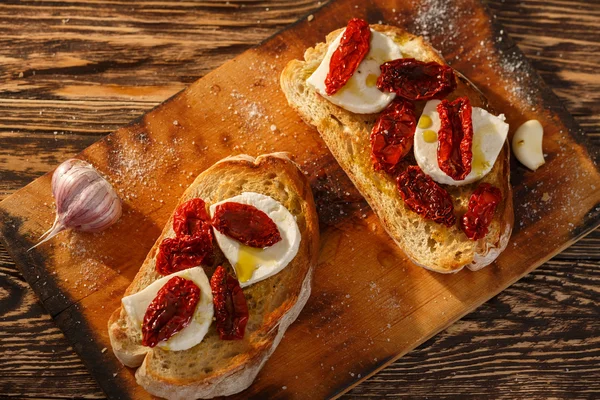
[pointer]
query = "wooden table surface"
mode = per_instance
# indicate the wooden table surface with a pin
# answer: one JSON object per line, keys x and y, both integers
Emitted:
{"x": 73, "y": 71}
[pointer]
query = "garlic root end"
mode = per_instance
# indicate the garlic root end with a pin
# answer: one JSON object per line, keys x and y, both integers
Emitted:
{"x": 57, "y": 227}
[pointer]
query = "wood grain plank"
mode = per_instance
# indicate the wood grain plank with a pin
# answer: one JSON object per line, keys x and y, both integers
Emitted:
{"x": 545, "y": 368}
{"x": 159, "y": 126}
{"x": 508, "y": 354}
{"x": 576, "y": 104}
{"x": 125, "y": 46}
{"x": 586, "y": 249}
{"x": 538, "y": 339}
{"x": 37, "y": 361}
{"x": 38, "y": 134}
{"x": 560, "y": 40}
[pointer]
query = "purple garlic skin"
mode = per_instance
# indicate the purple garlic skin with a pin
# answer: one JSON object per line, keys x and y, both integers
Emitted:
{"x": 85, "y": 201}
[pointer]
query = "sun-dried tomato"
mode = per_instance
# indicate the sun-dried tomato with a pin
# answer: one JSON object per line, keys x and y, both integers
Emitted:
{"x": 191, "y": 218}
{"x": 246, "y": 224}
{"x": 170, "y": 311}
{"x": 193, "y": 242}
{"x": 231, "y": 310}
{"x": 176, "y": 254}
{"x": 425, "y": 197}
{"x": 352, "y": 49}
{"x": 482, "y": 206}
{"x": 455, "y": 138}
{"x": 392, "y": 135}
{"x": 416, "y": 80}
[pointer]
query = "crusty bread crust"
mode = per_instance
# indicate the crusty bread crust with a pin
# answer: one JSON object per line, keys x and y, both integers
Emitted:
{"x": 215, "y": 367}
{"x": 428, "y": 244}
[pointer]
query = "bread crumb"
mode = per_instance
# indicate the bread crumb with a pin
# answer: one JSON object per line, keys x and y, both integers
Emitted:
{"x": 545, "y": 196}
{"x": 104, "y": 350}
{"x": 310, "y": 17}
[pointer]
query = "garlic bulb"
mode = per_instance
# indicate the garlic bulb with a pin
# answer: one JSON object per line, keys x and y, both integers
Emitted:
{"x": 85, "y": 201}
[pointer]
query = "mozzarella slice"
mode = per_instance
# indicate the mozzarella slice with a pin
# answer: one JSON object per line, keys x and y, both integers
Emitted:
{"x": 251, "y": 264}
{"x": 360, "y": 94}
{"x": 489, "y": 135}
{"x": 136, "y": 305}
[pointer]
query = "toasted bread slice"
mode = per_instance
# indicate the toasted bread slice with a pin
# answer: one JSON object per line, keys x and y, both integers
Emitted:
{"x": 427, "y": 243}
{"x": 217, "y": 367}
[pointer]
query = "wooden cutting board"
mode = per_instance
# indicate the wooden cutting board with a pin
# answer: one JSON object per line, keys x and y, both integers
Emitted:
{"x": 369, "y": 305}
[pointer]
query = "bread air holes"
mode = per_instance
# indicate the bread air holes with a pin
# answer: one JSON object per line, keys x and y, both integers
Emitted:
{"x": 458, "y": 255}
{"x": 283, "y": 191}
{"x": 252, "y": 303}
{"x": 350, "y": 147}
{"x": 207, "y": 370}
{"x": 336, "y": 119}
{"x": 432, "y": 244}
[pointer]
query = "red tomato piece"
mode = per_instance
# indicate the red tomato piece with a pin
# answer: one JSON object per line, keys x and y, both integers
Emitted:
{"x": 192, "y": 244}
{"x": 425, "y": 197}
{"x": 416, "y": 80}
{"x": 392, "y": 135}
{"x": 353, "y": 48}
{"x": 176, "y": 254}
{"x": 455, "y": 138}
{"x": 246, "y": 224}
{"x": 191, "y": 218}
{"x": 482, "y": 206}
{"x": 171, "y": 310}
{"x": 231, "y": 310}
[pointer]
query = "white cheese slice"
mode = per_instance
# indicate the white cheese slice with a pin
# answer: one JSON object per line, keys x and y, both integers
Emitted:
{"x": 360, "y": 94}
{"x": 254, "y": 264}
{"x": 136, "y": 305}
{"x": 489, "y": 135}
